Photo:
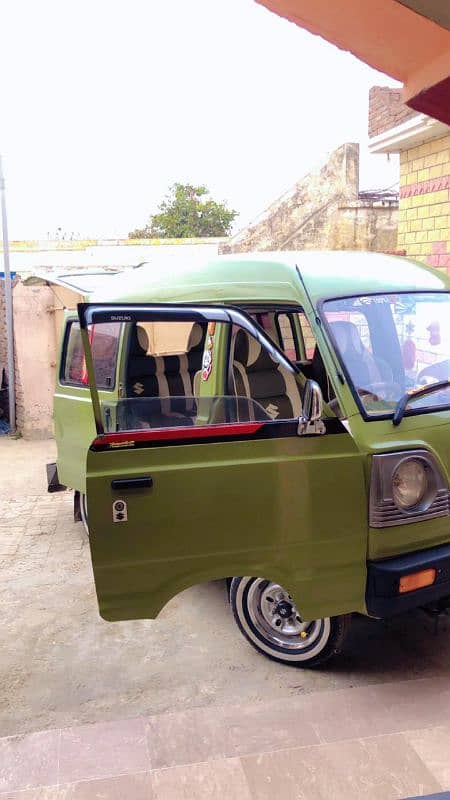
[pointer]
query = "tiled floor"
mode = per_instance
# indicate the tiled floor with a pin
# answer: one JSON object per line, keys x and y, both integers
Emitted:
{"x": 61, "y": 665}
{"x": 97, "y": 706}
{"x": 373, "y": 743}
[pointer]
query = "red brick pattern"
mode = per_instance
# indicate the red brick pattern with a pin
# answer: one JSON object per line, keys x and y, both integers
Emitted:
{"x": 440, "y": 256}
{"x": 424, "y": 187}
{"x": 386, "y": 109}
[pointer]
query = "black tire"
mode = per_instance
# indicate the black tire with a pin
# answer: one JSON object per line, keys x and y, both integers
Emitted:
{"x": 84, "y": 513}
{"x": 306, "y": 644}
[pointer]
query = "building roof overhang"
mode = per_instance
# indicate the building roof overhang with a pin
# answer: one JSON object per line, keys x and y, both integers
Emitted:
{"x": 415, "y": 131}
{"x": 406, "y": 39}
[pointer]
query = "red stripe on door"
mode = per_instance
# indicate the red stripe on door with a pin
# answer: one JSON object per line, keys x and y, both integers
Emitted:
{"x": 174, "y": 434}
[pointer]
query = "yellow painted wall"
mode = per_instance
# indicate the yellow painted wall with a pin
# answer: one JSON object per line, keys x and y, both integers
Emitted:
{"x": 424, "y": 210}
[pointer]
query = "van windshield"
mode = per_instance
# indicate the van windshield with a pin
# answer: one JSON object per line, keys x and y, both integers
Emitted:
{"x": 392, "y": 344}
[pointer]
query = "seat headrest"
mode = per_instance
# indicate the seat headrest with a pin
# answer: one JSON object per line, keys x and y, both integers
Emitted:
{"x": 139, "y": 341}
{"x": 249, "y": 353}
{"x": 196, "y": 337}
{"x": 347, "y": 337}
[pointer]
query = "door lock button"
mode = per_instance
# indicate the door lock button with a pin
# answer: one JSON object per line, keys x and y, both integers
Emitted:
{"x": 119, "y": 511}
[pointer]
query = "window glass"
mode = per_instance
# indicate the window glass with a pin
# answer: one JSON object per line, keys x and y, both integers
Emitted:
{"x": 74, "y": 364}
{"x": 393, "y": 344}
{"x": 308, "y": 336}
{"x": 168, "y": 390}
{"x": 167, "y": 338}
{"x": 175, "y": 412}
{"x": 353, "y": 317}
{"x": 104, "y": 343}
{"x": 287, "y": 335}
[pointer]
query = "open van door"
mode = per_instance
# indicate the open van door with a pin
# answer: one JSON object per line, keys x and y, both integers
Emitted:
{"x": 223, "y": 492}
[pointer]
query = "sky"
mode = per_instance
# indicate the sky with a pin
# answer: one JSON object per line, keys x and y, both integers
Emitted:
{"x": 105, "y": 104}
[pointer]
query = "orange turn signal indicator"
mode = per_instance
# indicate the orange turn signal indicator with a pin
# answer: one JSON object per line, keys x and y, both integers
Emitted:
{"x": 417, "y": 580}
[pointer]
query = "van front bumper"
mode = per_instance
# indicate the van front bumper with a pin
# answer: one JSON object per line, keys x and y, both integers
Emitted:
{"x": 383, "y": 597}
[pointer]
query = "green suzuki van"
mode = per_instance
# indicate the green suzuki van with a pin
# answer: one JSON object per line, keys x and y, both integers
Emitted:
{"x": 280, "y": 420}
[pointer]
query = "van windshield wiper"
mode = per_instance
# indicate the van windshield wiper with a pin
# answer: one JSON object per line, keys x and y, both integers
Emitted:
{"x": 413, "y": 394}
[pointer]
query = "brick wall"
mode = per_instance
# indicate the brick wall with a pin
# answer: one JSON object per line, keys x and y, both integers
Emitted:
{"x": 424, "y": 211}
{"x": 386, "y": 109}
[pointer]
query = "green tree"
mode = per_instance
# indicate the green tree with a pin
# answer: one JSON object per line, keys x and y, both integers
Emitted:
{"x": 187, "y": 211}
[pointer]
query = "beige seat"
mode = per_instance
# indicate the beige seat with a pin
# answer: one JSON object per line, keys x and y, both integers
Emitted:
{"x": 365, "y": 370}
{"x": 163, "y": 376}
{"x": 259, "y": 377}
{"x": 166, "y": 380}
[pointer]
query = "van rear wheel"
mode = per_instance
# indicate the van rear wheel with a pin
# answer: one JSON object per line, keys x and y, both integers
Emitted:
{"x": 267, "y": 616}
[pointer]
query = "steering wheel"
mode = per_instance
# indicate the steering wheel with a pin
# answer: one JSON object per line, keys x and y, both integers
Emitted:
{"x": 376, "y": 391}
{"x": 334, "y": 406}
{"x": 380, "y": 390}
{"x": 434, "y": 372}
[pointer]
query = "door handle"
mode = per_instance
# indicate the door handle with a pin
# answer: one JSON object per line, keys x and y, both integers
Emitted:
{"x": 132, "y": 483}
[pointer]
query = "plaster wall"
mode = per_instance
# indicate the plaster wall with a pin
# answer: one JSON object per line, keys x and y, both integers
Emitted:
{"x": 38, "y": 326}
{"x": 29, "y": 256}
{"x": 39, "y": 310}
{"x": 35, "y": 355}
{"x": 323, "y": 211}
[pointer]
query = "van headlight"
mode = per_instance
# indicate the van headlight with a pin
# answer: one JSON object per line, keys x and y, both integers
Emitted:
{"x": 409, "y": 483}
{"x": 406, "y": 487}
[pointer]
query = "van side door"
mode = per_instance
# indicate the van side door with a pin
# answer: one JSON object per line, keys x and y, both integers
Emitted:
{"x": 229, "y": 491}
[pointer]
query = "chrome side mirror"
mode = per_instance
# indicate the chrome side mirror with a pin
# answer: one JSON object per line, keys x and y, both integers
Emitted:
{"x": 312, "y": 408}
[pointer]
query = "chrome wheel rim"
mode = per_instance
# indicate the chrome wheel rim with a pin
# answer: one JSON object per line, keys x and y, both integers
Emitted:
{"x": 276, "y": 624}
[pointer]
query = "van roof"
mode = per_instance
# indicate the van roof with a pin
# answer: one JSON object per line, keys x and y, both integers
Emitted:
{"x": 272, "y": 277}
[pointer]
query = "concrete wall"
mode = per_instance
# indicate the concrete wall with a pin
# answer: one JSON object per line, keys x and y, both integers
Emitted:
{"x": 424, "y": 212}
{"x": 28, "y": 256}
{"x": 35, "y": 349}
{"x": 323, "y": 211}
{"x": 39, "y": 310}
{"x": 349, "y": 226}
{"x": 363, "y": 226}
{"x": 38, "y": 325}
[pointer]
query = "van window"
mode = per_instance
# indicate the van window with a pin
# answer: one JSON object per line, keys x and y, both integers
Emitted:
{"x": 104, "y": 343}
{"x": 287, "y": 336}
{"x": 166, "y": 339}
{"x": 256, "y": 375}
{"x": 167, "y": 391}
{"x": 355, "y": 318}
{"x": 309, "y": 339}
{"x": 392, "y": 344}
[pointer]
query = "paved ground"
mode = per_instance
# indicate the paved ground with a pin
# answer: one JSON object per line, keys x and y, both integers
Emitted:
{"x": 62, "y": 666}
{"x": 345, "y": 744}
